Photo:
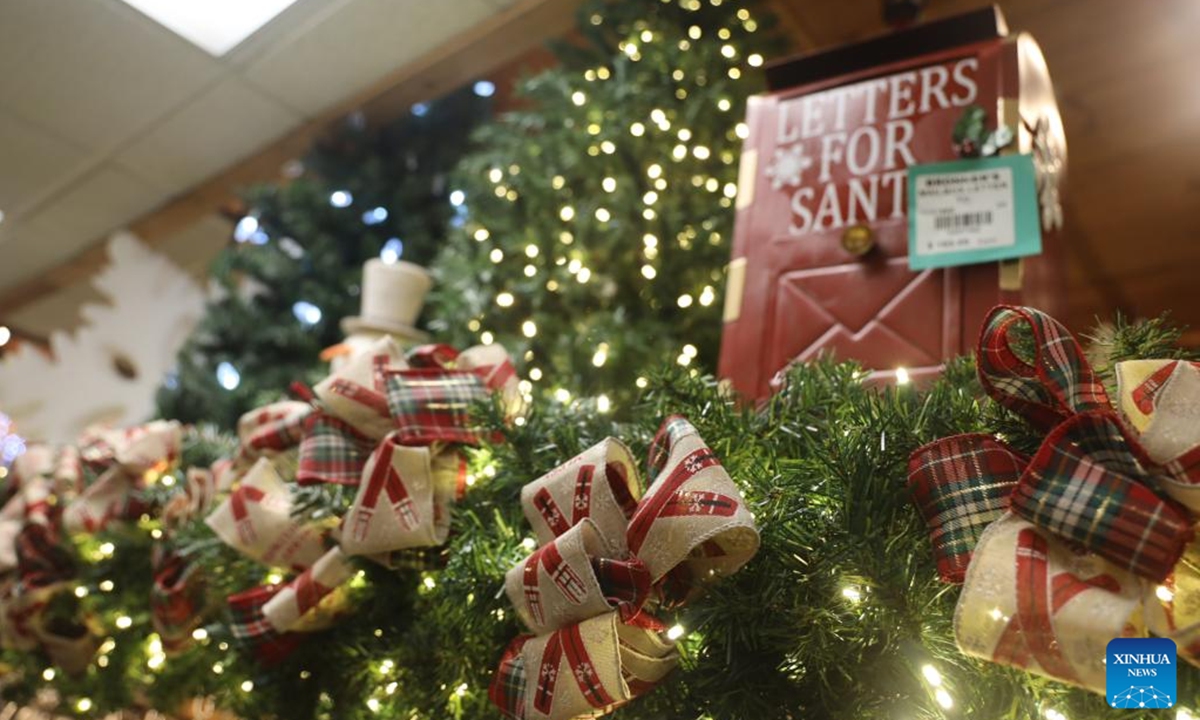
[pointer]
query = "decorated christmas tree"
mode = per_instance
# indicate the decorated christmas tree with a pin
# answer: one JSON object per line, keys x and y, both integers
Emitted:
{"x": 296, "y": 266}
{"x": 599, "y": 216}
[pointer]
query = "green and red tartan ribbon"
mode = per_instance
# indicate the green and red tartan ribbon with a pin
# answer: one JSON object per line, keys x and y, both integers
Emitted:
{"x": 431, "y": 400}
{"x": 1085, "y": 484}
{"x": 332, "y": 451}
{"x": 1012, "y": 527}
{"x": 177, "y": 599}
{"x": 251, "y": 630}
{"x": 606, "y": 559}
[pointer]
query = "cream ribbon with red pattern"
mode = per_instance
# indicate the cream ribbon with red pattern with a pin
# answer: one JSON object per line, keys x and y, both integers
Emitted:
{"x": 606, "y": 558}
{"x": 256, "y": 520}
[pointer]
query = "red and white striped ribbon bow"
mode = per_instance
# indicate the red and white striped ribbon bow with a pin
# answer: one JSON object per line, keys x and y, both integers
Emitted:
{"x": 307, "y": 590}
{"x": 606, "y": 558}
{"x": 415, "y": 486}
{"x": 256, "y": 520}
{"x": 692, "y": 524}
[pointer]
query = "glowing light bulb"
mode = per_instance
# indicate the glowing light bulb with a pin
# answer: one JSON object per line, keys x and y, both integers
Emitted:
{"x": 601, "y": 355}
{"x": 641, "y": 382}
{"x": 932, "y": 676}
{"x": 495, "y": 175}
{"x": 607, "y": 147}
{"x": 637, "y": 129}
{"x": 684, "y": 300}
{"x": 528, "y": 328}
{"x": 228, "y": 376}
{"x": 902, "y": 377}
{"x": 81, "y": 592}
{"x": 679, "y": 152}
{"x": 247, "y": 686}
{"x": 583, "y": 276}
{"x": 200, "y": 634}
{"x": 307, "y": 313}
{"x": 852, "y": 593}
{"x": 48, "y": 674}
{"x": 701, "y": 152}
{"x": 742, "y": 130}
{"x": 603, "y": 215}
{"x": 654, "y": 171}
{"x": 1164, "y": 593}
{"x": 496, "y": 255}
{"x": 707, "y": 296}
{"x": 373, "y": 705}
{"x": 943, "y": 698}
{"x": 650, "y": 197}
{"x": 694, "y": 32}
{"x": 83, "y": 705}
{"x": 566, "y": 213}
{"x": 562, "y": 395}
{"x": 690, "y": 350}
{"x": 609, "y": 184}
{"x": 755, "y": 60}
{"x": 505, "y": 299}
{"x": 481, "y": 234}
{"x": 429, "y": 582}
{"x": 106, "y": 549}
{"x": 728, "y": 51}
{"x": 649, "y": 272}
{"x": 106, "y": 586}
{"x": 603, "y": 404}
{"x": 486, "y": 338}
{"x": 675, "y": 632}
{"x": 341, "y": 198}
{"x": 578, "y": 97}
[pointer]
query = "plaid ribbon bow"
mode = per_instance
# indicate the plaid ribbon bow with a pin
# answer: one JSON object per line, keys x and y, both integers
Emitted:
{"x": 432, "y": 398}
{"x": 1011, "y": 527}
{"x": 177, "y": 599}
{"x": 605, "y": 558}
{"x": 251, "y": 630}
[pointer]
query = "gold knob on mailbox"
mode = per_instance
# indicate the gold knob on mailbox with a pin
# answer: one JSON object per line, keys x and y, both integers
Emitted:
{"x": 858, "y": 240}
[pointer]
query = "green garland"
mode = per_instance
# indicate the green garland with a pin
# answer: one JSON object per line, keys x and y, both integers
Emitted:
{"x": 837, "y": 616}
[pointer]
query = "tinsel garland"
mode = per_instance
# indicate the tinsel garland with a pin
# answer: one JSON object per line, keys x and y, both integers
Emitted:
{"x": 840, "y": 615}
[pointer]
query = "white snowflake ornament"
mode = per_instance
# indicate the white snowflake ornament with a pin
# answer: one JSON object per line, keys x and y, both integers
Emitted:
{"x": 109, "y": 370}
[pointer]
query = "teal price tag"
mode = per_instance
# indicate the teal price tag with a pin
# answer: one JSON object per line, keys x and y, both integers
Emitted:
{"x": 972, "y": 211}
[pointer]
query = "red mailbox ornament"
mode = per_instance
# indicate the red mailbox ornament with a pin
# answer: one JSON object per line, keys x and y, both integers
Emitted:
{"x": 821, "y": 239}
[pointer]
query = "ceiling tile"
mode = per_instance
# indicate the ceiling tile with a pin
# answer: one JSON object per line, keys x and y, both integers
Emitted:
{"x": 356, "y": 45}
{"x": 32, "y": 161}
{"x": 214, "y": 131}
{"x": 100, "y": 202}
{"x": 93, "y": 72}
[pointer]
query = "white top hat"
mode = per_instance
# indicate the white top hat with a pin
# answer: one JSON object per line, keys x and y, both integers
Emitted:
{"x": 392, "y": 297}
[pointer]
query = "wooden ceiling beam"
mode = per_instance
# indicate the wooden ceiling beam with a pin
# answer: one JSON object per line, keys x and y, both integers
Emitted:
{"x": 499, "y": 40}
